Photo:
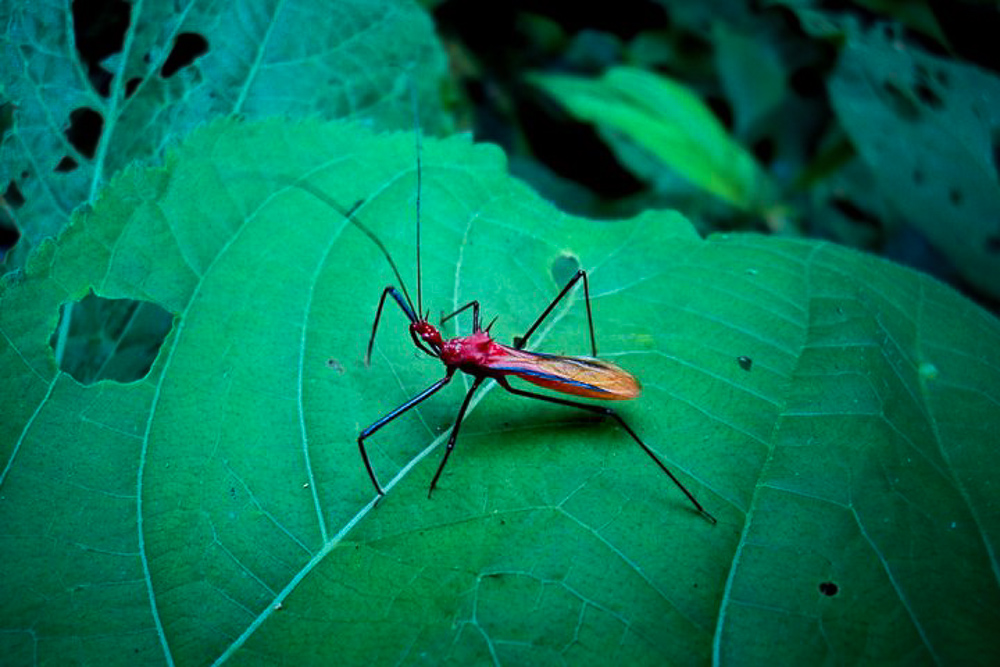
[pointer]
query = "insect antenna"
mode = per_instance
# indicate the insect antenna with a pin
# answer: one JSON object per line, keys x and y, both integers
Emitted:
{"x": 416, "y": 139}
{"x": 349, "y": 215}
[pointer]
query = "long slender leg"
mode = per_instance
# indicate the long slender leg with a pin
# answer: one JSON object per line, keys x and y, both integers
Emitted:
{"x": 422, "y": 396}
{"x": 394, "y": 293}
{"x": 521, "y": 341}
{"x": 475, "y": 315}
{"x": 454, "y": 432}
{"x": 601, "y": 410}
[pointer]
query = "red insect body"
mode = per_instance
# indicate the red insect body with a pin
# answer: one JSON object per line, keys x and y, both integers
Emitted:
{"x": 481, "y": 357}
{"x": 579, "y": 376}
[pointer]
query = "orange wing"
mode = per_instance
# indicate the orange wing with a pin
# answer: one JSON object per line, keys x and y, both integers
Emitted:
{"x": 580, "y": 376}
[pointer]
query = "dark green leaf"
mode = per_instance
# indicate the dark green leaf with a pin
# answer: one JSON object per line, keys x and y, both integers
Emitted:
{"x": 927, "y": 128}
{"x": 78, "y": 123}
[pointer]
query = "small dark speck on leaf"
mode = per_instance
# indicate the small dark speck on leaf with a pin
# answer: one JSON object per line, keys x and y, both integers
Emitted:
{"x": 955, "y": 196}
{"x": 334, "y": 364}
{"x": 829, "y": 588}
{"x": 745, "y": 362}
{"x": 993, "y": 244}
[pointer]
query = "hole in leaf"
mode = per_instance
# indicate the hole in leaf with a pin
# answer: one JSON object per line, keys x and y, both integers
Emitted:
{"x": 829, "y": 588}
{"x": 900, "y": 101}
{"x": 66, "y": 164}
{"x": 9, "y": 236}
{"x": 99, "y": 28}
{"x": 564, "y": 267}
{"x": 9, "y": 233}
{"x": 12, "y": 196}
{"x": 187, "y": 47}
{"x": 109, "y": 339}
{"x": 84, "y": 130}
{"x": 131, "y": 85}
{"x": 927, "y": 95}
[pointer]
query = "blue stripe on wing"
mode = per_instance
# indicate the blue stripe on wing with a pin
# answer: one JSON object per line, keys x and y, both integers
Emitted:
{"x": 514, "y": 370}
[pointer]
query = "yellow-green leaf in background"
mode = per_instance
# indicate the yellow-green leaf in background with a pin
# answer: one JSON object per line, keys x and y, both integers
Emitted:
{"x": 670, "y": 122}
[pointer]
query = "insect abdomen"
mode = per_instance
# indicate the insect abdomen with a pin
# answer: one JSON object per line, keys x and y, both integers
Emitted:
{"x": 579, "y": 376}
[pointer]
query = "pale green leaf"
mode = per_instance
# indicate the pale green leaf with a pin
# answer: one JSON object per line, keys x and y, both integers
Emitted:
{"x": 669, "y": 122}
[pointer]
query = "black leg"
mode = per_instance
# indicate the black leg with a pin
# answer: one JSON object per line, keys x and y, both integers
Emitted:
{"x": 425, "y": 394}
{"x": 521, "y": 341}
{"x": 389, "y": 291}
{"x": 601, "y": 410}
{"x": 475, "y": 315}
{"x": 454, "y": 432}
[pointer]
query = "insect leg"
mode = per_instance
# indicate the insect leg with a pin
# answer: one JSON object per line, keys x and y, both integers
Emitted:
{"x": 601, "y": 410}
{"x": 454, "y": 432}
{"x": 521, "y": 341}
{"x": 413, "y": 402}
{"x": 475, "y": 315}
{"x": 394, "y": 293}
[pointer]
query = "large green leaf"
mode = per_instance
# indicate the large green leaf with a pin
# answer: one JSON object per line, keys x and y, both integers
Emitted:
{"x": 218, "y": 509}
{"x": 262, "y": 58}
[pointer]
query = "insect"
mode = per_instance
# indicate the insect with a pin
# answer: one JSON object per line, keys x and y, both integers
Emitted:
{"x": 479, "y": 356}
